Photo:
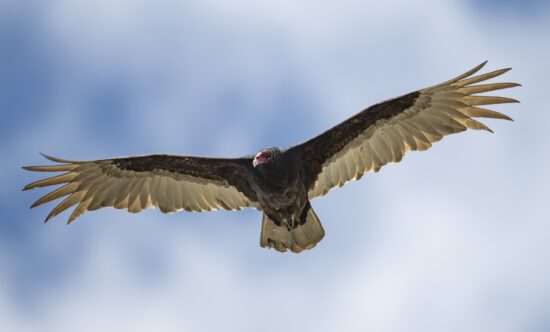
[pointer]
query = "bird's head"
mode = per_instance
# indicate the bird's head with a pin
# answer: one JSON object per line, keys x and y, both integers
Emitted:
{"x": 265, "y": 156}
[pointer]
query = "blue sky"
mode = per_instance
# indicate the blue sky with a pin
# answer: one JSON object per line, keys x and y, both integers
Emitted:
{"x": 452, "y": 239}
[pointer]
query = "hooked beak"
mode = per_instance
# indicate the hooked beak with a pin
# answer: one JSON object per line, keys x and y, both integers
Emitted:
{"x": 258, "y": 160}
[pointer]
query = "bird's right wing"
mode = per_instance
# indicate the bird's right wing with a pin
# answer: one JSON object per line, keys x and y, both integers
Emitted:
{"x": 171, "y": 183}
{"x": 383, "y": 133}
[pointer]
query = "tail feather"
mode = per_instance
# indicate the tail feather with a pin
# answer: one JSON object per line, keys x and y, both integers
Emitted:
{"x": 303, "y": 237}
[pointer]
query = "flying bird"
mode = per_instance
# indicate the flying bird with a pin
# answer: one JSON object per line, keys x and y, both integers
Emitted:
{"x": 278, "y": 182}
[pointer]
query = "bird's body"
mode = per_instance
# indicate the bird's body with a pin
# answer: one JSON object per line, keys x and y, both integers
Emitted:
{"x": 280, "y": 189}
{"x": 279, "y": 182}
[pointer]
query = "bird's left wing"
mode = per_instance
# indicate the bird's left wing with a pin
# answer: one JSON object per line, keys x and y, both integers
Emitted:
{"x": 383, "y": 133}
{"x": 171, "y": 183}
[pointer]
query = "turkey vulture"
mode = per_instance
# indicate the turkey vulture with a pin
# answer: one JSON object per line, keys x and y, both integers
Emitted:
{"x": 279, "y": 182}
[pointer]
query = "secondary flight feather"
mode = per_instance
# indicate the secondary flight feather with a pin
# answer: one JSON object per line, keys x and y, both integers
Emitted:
{"x": 278, "y": 182}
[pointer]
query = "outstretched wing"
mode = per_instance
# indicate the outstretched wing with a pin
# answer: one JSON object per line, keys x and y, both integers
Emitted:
{"x": 171, "y": 183}
{"x": 383, "y": 133}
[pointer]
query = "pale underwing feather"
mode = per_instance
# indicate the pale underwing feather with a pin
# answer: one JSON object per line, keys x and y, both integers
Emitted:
{"x": 134, "y": 192}
{"x": 480, "y": 78}
{"x": 488, "y": 100}
{"x": 486, "y": 88}
{"x": 73, "y": 199}
{"x": 58, "y": 193}
{"x": 59, "y": 179}
{"x": 80, "y": 209}
{"x": 476, "y": 112}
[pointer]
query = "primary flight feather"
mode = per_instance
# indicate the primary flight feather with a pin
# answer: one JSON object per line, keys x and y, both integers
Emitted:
{"x": 279, "y": 182}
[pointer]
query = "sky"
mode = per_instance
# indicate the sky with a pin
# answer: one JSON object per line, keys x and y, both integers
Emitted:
{"x": 456, "y": 238}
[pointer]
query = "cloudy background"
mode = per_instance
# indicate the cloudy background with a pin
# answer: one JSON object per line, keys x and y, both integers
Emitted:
{"x": 456, "y": 238}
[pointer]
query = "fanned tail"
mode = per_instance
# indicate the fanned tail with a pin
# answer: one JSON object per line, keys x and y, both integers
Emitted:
{"x": 298, "y": 239}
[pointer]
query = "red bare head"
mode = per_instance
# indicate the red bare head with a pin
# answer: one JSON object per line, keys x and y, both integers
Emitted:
{"x": 264, "y": 156}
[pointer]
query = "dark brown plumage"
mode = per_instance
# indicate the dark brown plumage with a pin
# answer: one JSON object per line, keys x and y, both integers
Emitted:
{"x": 279, "y": 182}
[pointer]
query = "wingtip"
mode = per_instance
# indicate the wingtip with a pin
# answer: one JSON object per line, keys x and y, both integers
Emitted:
{"x": 46, "y": 156}
{"x": 49, "y": 217}
{"x": 513, "y": 85}
{"x": 478, "y": 67}
{"x": 54, "y": 159}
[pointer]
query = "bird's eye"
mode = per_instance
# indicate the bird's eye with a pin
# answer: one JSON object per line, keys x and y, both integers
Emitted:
{"x": 266, "y": 154}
